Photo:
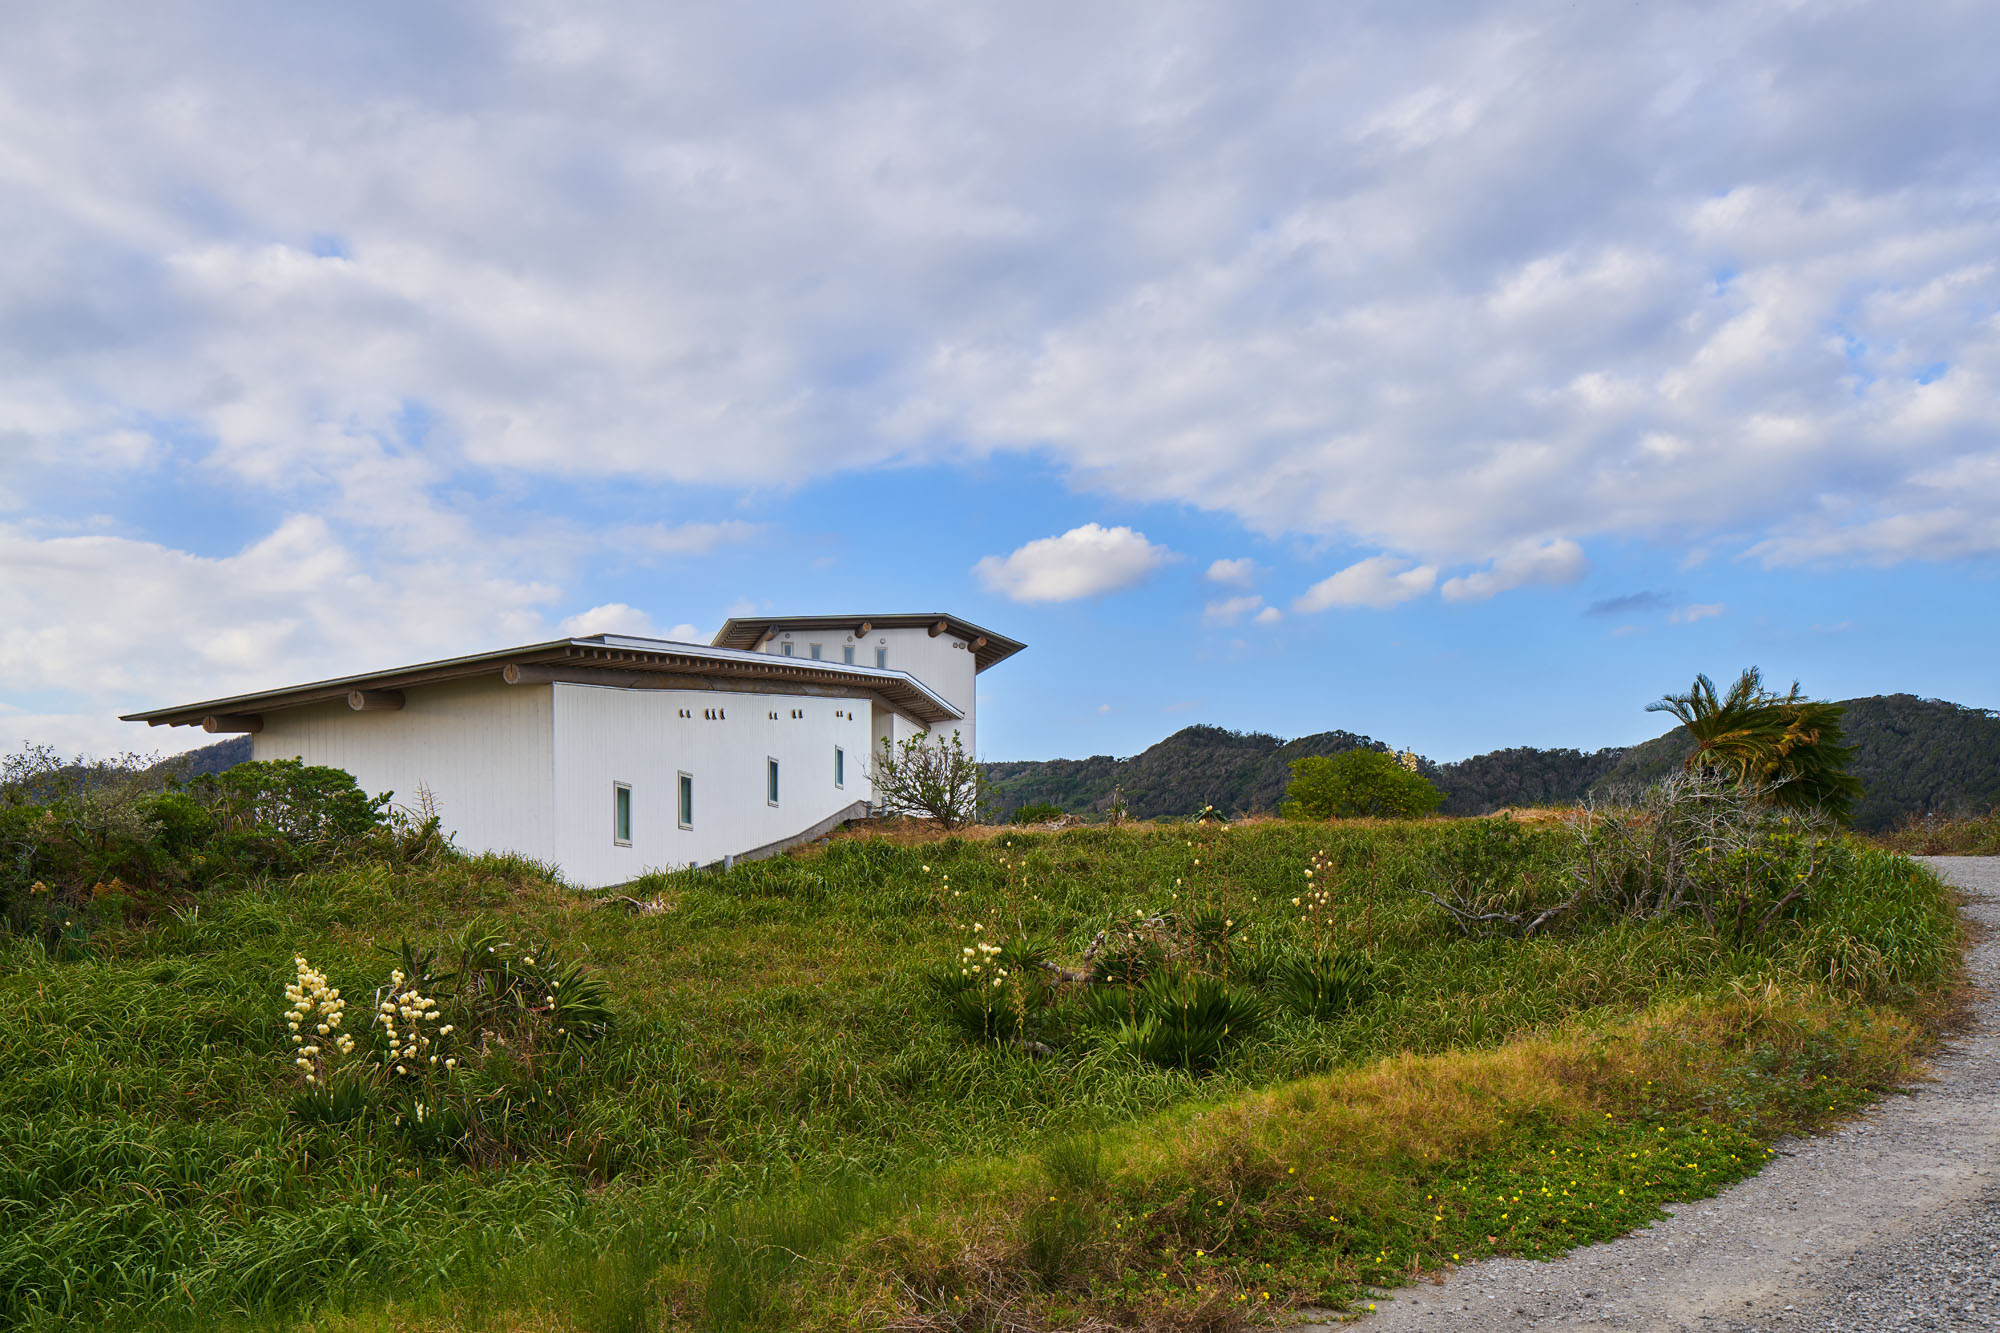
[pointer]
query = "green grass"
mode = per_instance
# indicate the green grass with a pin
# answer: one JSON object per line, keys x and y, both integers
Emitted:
{"x": 1974, "y": 835}
{"x": 784, "y": 1128}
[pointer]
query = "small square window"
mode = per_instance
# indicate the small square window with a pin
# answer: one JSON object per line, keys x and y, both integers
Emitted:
{"x": 621, "y": 814}
{"x": 839, "y": 767}
{"x": 770, "y": 781}
{"x": 788, "y": 648}
{"x": 815, "y": 652}
{"x": 881, "y": 659}
{"x": 687, "y": 800}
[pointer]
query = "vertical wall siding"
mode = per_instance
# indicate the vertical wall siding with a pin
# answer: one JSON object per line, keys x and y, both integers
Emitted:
{"x": 483, "y": 748}
{"x": 606, "y": 736}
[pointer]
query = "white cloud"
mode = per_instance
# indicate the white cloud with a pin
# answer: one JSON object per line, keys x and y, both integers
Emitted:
{"x": 1551, "y": 563}
{"x": 529, "y": 243}
{"x": 1237, "y": 573}
{"x": 618, "y": 618}
{"x": 688, "y": 538}
{"x": 1270, "y": 615}
{"x": 101, "y": 625}
{"x": 1688, "y": 615}
{"x": 1084, "y": 562}
{"x": 1229, "y": 610}
{"x": 1379, "y": 581}
{"x": 611, "y": 618}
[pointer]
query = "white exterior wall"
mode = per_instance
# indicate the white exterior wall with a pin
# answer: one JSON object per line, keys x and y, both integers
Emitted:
{"x": 943, "y": 663}
{"x": 530, "y": 768}
{"x": 482, "y": 747}
{"x": 638, "y": 737}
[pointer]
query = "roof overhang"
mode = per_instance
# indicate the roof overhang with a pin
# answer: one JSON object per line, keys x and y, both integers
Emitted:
{"x": 606, "y": 659}
{"x": 988, "y": 648}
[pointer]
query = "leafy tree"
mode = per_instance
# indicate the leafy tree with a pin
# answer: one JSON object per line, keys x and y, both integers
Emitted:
{"x": 1359, "y": 782}
{"x": 929, "y": 778}
{"x": 1785, "y": 744}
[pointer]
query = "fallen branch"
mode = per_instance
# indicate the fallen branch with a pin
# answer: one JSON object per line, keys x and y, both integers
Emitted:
{"x": 1471, "y": 922}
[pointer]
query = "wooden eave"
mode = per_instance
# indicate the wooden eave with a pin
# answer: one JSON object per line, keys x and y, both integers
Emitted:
{"x": 689, "y": 666}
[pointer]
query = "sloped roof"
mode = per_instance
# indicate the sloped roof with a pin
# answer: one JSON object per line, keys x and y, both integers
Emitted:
{"x": 988, "y": 648}
{"x": 688, "y": 665}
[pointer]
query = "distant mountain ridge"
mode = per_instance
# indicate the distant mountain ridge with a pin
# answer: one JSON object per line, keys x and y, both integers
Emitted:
{"x": 1914, "y": 756}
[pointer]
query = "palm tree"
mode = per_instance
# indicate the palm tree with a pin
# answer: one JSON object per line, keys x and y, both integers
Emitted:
{"x": 1786, "y": 744}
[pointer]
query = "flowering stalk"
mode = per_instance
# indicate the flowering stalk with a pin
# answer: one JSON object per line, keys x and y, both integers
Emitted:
{"x": 408, "y": 1020}
{"x": 314, "y": 1013}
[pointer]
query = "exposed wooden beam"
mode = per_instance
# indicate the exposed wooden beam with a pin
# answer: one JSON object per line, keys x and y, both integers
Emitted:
{"x": 770, "y": 633}
{"x": 375, "y": 701}
{"x": 979, "y": 643}
{"x": 861, "y": 630}
{"x": 519, "y": 673}
{"x": 939, "y": 628}
{"x": 214, "y": 723}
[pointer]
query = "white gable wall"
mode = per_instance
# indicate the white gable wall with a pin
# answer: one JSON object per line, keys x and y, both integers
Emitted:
{"x": 605, "y": 736}
{"x": 943, "y": 663}
{"x": 482, "y": 747}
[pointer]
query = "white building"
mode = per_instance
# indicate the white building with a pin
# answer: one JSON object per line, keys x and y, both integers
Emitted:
{"x": 609, "y": 756}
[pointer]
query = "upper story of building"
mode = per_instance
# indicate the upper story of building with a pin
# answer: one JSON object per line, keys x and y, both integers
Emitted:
{"x": 944, "y": 652}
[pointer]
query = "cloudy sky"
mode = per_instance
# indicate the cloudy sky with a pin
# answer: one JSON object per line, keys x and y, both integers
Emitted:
{"x": 1464, "y": 374}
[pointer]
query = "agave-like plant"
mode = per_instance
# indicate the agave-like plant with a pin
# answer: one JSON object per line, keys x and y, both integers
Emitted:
{"x": 1189, "y": 1022}
{"x": 1784, "y": 744}
{"x": 1323, "y": 985}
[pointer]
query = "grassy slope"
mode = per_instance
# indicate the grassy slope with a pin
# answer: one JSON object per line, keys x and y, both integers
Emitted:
{"x": 780, "y": 1074}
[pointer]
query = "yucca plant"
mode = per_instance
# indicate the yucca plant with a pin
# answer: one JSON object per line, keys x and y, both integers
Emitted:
{"x": 1128, "y": 963}
{"x": 1013, "y": 1010}
{"x": 344, "y": 1097}
{"x": 432, "y": 1126}
{"x": 1189, "y": 1022}
{"x": 1321, "y": 984}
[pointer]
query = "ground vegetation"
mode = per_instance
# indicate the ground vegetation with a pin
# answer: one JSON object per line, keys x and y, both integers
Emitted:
{"x": 1229, "y": 1068}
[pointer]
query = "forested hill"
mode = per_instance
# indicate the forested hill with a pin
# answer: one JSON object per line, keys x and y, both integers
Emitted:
{"x": 1913, "y": 756}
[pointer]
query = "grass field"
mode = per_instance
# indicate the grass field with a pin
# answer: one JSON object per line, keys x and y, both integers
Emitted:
{"x": 1976, "y": 835}
{"x": 784, "y": 1126}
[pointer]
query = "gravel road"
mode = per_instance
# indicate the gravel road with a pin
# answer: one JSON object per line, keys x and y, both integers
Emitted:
{"x": 1892, "y": 1222}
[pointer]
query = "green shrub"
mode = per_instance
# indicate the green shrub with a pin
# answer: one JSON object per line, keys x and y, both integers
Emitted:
{"x": 277, "y": 815}
{"x": 1358, "y": 783}
{"x": 1036, "y": 812}
{"x": 84, "y": 843}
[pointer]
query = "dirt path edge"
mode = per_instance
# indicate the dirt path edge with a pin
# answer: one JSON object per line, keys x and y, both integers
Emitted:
{"x": 1892, "y": 1220}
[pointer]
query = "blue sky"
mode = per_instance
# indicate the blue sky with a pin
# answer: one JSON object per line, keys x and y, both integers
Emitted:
{"x": 1465, "y": 375}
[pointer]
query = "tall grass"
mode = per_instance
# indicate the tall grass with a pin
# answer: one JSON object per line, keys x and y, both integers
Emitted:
{"x": 1940, "y": 835}
{"x": 782, "y": 1096}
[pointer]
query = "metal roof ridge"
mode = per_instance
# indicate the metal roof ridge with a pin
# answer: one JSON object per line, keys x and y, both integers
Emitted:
{"x": 474, "y": 664}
